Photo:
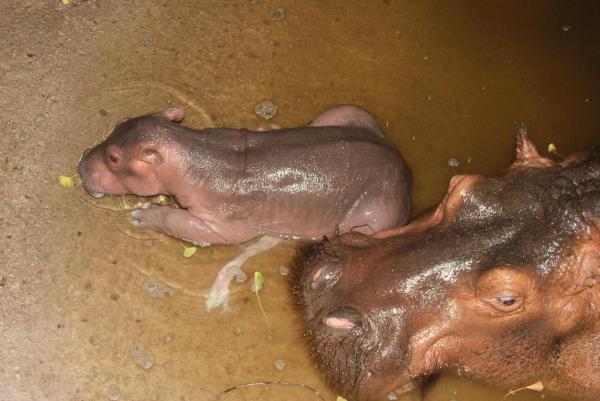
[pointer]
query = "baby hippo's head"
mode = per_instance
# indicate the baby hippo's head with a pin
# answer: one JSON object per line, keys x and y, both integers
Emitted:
{"x": 127, "y": 162}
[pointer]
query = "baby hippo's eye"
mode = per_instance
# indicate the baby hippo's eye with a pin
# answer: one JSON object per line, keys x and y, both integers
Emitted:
{"x": 113, "y": 158}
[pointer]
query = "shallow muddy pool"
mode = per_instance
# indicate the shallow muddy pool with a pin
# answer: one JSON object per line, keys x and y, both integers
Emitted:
{"x": 79, "y": 318}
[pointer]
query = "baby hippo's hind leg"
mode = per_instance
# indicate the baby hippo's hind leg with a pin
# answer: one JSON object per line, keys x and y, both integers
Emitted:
{"x": 346, "y": 115}
{"x": 373, "y": 215}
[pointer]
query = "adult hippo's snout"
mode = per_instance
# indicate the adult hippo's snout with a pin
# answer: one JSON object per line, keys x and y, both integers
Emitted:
{"x": 358, "y": 343}
{"x": 500, "y": 282}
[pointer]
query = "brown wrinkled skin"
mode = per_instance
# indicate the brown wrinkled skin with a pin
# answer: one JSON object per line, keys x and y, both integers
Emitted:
{"x": 235, "y": 184}
{"x": 501, "y": 283}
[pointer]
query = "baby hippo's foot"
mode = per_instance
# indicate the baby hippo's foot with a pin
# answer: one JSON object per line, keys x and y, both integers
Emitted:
{"x": 149, "y": 217}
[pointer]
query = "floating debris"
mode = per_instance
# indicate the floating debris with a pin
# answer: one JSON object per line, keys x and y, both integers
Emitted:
{"x": 567, "y": 28}
{"x": 279, "y": 364}
{"x": 284, "y": 270}
{"x": 266, "y": 109}
{"x": 551, "y": 148}
{"x": 259, "y": 280}
{"x": 392, "y": 396}
{"x": 189, "y": 251}
{"x": 278, "y": 14}
{"x": 139, "y": 356}
{"x": 65, "y": 181}
{"x": 537, "y": 386}
{"x": 452, "y": 162}
{"x": 156, "y": 289}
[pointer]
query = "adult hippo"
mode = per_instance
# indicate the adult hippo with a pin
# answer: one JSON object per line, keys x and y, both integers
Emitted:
{"x": 500, "y": 282}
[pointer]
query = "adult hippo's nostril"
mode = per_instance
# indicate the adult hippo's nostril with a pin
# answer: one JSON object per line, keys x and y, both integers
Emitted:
{"x": 326, "y": 275}
{"x": 342, "y": 321}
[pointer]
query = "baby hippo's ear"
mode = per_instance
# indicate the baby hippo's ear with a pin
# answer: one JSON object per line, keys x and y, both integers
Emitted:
{"x": 150, "y": 155}
{"x": 175, "y": 114}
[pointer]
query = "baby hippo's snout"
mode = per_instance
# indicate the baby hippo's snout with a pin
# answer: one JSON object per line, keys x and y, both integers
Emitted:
{"x": 90, "y": 173}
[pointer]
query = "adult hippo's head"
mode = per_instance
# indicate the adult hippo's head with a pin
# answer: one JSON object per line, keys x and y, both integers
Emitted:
{"x": 501, "y": 282}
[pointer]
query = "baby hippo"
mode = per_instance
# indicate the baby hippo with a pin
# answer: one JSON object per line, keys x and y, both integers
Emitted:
{"x": 338, "y": 174}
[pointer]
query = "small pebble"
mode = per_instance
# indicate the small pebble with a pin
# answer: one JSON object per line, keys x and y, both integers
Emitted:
{"x": 392, "y": 396}
{"x": 156, "y": 289}
{"x": 266, "y": 109}
{"x": 469, "y": 159}
{"x": 284, "y": 270}
{"x": 279, "y": 364}
{"x": 139, "y": 356}
{"x": 278, "y": 14}
{"x": 168, "y": 338}
{"x": 452, "y": 162}
{"x": 113, "y": 394}
{"x": 146, "y": 39}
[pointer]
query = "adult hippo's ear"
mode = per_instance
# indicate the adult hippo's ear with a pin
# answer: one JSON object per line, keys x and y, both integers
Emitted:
{"x": 175, "y": 114}
{"x": 527, "y": 154}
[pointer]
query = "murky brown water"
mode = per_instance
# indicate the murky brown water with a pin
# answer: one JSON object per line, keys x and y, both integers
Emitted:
{"x": 445, "y": 79}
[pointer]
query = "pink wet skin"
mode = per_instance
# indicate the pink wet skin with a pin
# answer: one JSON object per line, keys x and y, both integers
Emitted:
{"x": 338, "y": 174}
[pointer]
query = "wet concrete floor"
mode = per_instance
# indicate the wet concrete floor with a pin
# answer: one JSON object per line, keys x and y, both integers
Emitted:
{"x": 445, "y": 79}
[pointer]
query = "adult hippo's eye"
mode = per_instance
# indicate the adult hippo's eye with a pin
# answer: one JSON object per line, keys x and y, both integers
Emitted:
{"x": 507, "y": 303}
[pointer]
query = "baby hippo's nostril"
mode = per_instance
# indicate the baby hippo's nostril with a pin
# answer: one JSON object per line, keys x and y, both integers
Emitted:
{"x": 325, "y": 276}
{"x": 342, "y": 321}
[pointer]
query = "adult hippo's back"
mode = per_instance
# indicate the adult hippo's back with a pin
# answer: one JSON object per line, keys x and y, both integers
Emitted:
{"x": 337, "y": 174}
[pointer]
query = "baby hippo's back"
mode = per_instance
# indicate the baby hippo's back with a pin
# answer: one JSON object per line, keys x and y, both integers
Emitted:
{"x": 310, "y": 181}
